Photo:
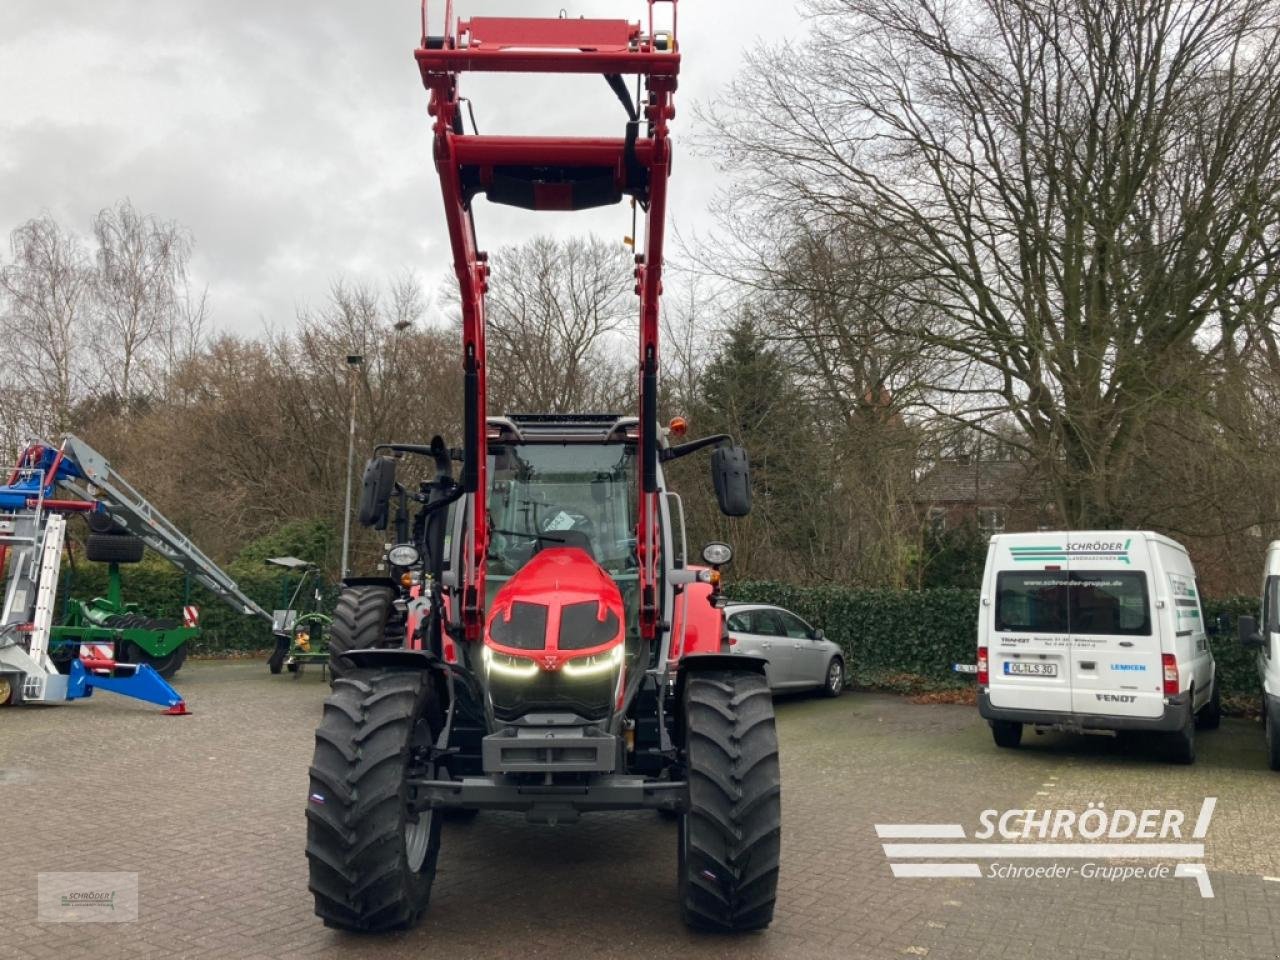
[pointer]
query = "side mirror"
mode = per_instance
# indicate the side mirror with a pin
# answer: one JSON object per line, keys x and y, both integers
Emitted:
{"x": 819, "y": 634}
{"x": 731, "y": 477}
{"x": 1247, "y": 629}
{"x": 375, "y": 495}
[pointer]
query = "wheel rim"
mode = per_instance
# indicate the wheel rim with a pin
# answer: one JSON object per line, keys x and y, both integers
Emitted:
{"x": 417, "y": 827}
{"x": 417, "y": 839}
{"x": 835, "y": 676}
{"x": 6, "y": 690}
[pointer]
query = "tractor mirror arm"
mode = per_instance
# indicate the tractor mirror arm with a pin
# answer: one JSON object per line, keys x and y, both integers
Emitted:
{"x": 693, "y": 446}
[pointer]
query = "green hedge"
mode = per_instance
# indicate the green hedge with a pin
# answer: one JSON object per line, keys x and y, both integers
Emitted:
{"x": 896, "y": 639}
{"x": 904, "y": 639}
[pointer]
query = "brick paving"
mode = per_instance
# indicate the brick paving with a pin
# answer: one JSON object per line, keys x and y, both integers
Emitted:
{"x": 208, "y": 811}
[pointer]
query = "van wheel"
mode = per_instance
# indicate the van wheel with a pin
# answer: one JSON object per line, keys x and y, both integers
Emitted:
{"x": 1272, "y": 719}
{"x": 1210, "y": 715}
{"x": 1006, "y": 733}
{"x": 1182, "y": 745}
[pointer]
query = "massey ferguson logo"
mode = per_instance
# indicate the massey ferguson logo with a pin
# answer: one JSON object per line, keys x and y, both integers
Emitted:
{"x": 550, "y": 662}
{"x": 1115, "y": 697}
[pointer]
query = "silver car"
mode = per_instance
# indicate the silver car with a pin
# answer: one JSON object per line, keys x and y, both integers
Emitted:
{"x": 799, "y": 656}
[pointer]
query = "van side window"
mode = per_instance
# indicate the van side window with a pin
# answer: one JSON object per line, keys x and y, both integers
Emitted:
{"x": 1270, "y": 612}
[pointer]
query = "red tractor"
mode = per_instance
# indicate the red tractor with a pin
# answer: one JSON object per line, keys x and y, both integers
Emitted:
{"x": 542, "y": 643}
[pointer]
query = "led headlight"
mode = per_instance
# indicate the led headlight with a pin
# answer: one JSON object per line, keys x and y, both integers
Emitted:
{"x": 507, "y": 666}
{"x": 403, "y": 555}
{"x": 595, "y": 665}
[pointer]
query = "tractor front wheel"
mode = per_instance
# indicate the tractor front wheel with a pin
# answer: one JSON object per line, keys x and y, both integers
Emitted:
{"x": 730, "y": 837}
{"x": 359, "y": 620}
{"x": 6, "y": 690}
{"x": 372, "y": 855}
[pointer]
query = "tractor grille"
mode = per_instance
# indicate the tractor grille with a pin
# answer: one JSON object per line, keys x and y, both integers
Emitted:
{"x": 552, "y": 692}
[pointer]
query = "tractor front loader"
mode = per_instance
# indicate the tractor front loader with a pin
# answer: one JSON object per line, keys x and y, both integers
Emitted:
{"x": 542, "y": 642}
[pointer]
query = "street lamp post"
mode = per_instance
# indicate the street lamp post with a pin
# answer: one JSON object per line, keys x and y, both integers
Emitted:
{"x": 353, "y": 361}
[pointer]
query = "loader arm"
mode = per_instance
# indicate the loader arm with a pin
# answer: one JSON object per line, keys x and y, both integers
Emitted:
{"x": 552, "y": 173}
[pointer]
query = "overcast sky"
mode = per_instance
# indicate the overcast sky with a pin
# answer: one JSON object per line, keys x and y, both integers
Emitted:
{"x": 291, "y": 138}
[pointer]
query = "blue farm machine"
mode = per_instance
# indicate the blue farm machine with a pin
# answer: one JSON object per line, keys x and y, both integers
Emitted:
{"x": 105, "y": 643}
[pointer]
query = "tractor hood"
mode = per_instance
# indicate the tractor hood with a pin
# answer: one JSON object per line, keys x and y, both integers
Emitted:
{"x": 560, "y": 606}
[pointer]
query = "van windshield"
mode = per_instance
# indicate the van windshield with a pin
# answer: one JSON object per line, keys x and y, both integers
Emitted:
{"x": 1082, "y": 601}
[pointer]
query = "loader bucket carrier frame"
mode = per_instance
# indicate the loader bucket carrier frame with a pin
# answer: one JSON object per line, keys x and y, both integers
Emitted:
{"x": 553, "y": 173}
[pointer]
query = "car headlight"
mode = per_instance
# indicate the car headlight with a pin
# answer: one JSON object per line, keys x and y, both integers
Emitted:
{"x": 403, "y": 555}
{"x": 507, "y": 666}
{"x": 594, "y": 665}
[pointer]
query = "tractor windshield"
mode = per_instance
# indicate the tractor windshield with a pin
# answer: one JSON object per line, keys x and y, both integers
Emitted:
{"x": 555, "y": 495}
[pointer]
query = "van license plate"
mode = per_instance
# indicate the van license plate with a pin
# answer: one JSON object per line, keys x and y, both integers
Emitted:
{"x": 1018, "y": 668}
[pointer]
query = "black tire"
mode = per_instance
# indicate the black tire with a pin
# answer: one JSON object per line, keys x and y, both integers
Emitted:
{"x": 359, "y": 621}
{"x": 730, "y": 837}
{"x": 1006, "y": 733}
{"x": 1271, "y": 717}
{"x": 275, "y": 662}
{"x": 833, "y": 685}
{"x": 166, "y": 665}
{"x": 100, "y": 524}
{"x": 113, "y": 548}
{"x": 1210, "y": 715}
{"x": 1182, "y": 744}
{"x": 371, "y": 861}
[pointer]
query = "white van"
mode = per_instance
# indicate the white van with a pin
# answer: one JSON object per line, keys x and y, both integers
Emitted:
{"x": 1263, "y": 636}
{"x": 1094, "y": 631}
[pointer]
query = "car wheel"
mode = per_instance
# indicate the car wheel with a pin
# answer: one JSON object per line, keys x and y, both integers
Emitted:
{"x": 1006, "y": 733}
{"x": 1210, "y": 716}
{"x": 1182, "y": 745}
{"x": 833, "y": 685}
{"x": 1272, "y": 719}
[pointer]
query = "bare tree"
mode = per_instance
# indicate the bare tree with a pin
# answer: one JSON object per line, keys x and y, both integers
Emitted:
{"x": 142, "y": 274}
{"x": 552, "y": 307}
{"x": 1085, "y": 190}
{"x": 46, "y": 295}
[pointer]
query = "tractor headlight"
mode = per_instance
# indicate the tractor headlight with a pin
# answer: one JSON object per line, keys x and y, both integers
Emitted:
{"x": 717, "y": 554}
{"x": 594, "y": 665}
{"x": 403, "y": 555}
{"x": 507, "y": 666}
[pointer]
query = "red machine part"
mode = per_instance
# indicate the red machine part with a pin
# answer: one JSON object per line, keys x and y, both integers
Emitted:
{"x": 469, "y": 164}
{"x": 556, "y": 579}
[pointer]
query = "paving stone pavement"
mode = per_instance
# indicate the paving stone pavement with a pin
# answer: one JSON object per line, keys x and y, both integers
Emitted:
{"x": 208, "y": 811}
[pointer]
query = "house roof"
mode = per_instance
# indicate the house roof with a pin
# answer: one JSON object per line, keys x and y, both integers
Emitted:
{"x": 978, "y": 481}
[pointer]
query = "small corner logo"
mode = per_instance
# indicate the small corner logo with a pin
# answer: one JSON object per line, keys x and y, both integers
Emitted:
{"x": 1058, "y": 552}
{"x": 87, "y": 897}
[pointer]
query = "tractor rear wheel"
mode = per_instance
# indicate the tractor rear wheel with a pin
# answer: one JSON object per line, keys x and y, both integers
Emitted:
{"x": 730, "y": 837}
{"x": 372, "y": 857}
{"x": 359, "y": 621}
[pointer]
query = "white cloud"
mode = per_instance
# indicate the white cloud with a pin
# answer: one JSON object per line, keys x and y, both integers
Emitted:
{"x": 292, "y": 138}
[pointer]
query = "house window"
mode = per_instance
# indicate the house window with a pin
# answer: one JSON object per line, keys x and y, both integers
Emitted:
{"x": 937, "y": 521}
{"x": 991, "y": 520}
